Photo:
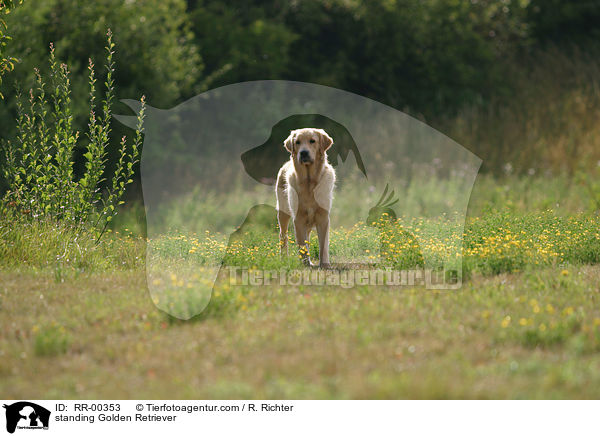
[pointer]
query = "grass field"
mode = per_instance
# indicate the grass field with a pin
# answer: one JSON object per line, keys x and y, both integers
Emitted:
{"x": 77, "y": 320}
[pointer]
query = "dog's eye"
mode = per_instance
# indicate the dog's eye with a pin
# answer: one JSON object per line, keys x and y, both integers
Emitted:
{"x": 297, "y": 142}
{"x": 312, "y": 141}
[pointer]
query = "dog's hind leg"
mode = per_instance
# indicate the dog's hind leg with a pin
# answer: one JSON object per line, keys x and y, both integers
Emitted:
{"x": 283, "y": 219}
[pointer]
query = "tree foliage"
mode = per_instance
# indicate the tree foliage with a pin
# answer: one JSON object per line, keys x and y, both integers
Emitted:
{"x": 156, "y": 55}
{"x": 429, "y": 57}
{"x": 6, "y": 63}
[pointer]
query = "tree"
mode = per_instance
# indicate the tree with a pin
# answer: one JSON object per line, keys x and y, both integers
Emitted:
{"x": 156, "y": 54}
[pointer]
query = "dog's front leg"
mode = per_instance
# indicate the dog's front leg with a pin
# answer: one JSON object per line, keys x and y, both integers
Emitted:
{"x": 323, "y": 232}
{"x": 301, "y": 233}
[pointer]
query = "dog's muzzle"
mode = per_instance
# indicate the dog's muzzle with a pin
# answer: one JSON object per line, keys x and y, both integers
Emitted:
{"x": 305, "y": 157}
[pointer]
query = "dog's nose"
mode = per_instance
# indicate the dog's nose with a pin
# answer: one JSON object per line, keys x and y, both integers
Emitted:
{"x": 304, "y": 155}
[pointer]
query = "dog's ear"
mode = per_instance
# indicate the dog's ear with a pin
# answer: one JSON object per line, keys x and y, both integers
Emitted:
{"x": 289, "y": 142}
{"x": 326, "y": 140}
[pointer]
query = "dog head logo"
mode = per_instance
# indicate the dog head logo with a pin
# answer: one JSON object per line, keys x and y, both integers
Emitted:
{"x": 26, "y": 415}
{"x": 209, "y": 168}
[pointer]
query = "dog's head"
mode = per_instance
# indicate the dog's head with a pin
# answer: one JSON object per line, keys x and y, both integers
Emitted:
{"x": 307, "y": 145}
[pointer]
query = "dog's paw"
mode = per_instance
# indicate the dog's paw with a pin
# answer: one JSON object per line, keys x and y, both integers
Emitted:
{"x": 313, "y": 264}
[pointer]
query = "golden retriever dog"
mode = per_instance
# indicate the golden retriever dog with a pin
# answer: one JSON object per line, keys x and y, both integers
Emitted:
{"x": 304, "y": 192}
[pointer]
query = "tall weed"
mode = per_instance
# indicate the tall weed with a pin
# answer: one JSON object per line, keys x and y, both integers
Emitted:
{"x": 39, "y": 164}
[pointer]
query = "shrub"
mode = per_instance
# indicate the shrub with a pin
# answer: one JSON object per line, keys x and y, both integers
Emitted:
{"x": 39, "y": 168}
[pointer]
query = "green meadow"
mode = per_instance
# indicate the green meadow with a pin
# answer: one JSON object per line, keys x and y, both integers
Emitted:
{"x": 524, "y": 324}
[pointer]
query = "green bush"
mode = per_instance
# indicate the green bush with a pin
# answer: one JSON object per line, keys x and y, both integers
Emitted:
{"x": 39, "y": 169}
